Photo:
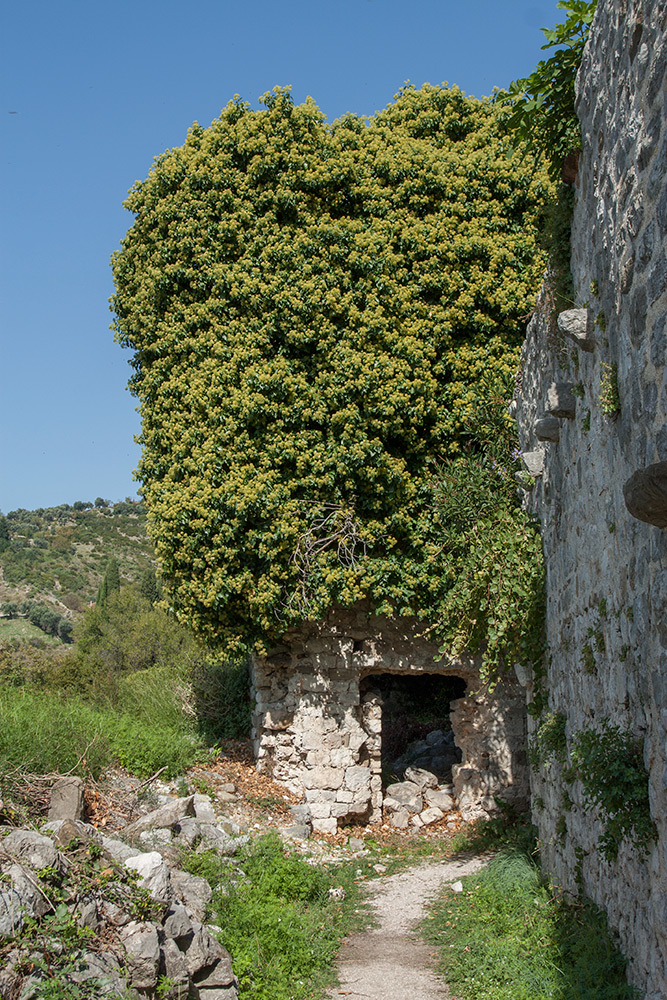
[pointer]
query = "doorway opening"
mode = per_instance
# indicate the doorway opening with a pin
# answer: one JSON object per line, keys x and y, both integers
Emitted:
{"x": 416, "y": 728}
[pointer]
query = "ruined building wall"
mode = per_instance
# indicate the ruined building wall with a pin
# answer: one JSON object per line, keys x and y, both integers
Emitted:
{"x": 606, "y": 570}
{"x": 317, "y": 729}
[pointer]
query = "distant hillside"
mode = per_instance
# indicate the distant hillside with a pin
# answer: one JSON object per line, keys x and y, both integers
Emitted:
{"x": 58, "y": 555}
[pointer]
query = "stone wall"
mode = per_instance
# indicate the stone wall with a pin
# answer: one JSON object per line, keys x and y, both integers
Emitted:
{"x": 606, "y": 570}
{"x": 317, "y": 727}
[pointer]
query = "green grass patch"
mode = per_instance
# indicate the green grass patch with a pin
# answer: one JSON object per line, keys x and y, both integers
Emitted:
{"x": 41, "y": 733}
{"x": 13, "y": 630}
{"x": 508, "y": 936}
{"x": 279, "y": 924}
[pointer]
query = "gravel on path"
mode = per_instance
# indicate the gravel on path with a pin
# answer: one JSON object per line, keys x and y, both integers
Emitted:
{"x": 390, "y": 961}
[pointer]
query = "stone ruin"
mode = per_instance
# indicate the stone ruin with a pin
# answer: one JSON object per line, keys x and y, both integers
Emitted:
{"x": 317, "y": 725}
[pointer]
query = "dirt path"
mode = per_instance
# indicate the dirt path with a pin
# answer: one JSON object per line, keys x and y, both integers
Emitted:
{"x": 390, "y": 962}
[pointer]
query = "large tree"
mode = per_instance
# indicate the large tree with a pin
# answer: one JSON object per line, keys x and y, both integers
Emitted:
{"x": 312, "y": 308}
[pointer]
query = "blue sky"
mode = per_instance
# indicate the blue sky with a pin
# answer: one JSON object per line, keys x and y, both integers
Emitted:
{"x": 91, "y": 92}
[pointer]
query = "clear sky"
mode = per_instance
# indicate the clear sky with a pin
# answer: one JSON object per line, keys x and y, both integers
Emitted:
{"x": 91, "y": 92}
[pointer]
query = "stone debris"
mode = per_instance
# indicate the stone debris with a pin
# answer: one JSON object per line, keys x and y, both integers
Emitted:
{"x": 171, "y": 946}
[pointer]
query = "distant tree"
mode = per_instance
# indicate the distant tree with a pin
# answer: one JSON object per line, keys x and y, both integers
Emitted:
{"x": 126, "y": 634}
{"x": 149, "y": 586}
{"x": 4, "y": 533}
{"x": 111, "y": 582}
{"x": 100, "y": 502}
{"x": 65, "y": 629}
{"x": 9, "y": 608}
{"x": 82, "y": 505}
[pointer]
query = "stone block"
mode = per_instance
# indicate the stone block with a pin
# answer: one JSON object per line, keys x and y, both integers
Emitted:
{"x": 439, "y": 799}
{"x": 533, "y": 462}
{"x": 276, "y": 719}
{"x": 166, "y": 816}
{"x": 32, "y": 849}
{"x": 204, "y": 952}
{"x": 645, "y": 494}
{"x": 324, "y": 777}
{"x": 421, "y": 777}
{"x": 67, "y": 799}
{"x": 142, "y": 949}
{"x": 399, "y": 818}
{"x": 547, "y": 429}
{"x": 153, "y": 875}
{"x": 325, "y": 825}
{"x": 320, "y": 795}
{"x": 320, "y": 810}
{"x": 577, "y": 324}
{"x": 357, "y": 778}
{"x": 561, "y": 401}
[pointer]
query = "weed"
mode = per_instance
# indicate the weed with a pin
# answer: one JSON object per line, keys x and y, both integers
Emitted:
{"x": 609, "y": 763}
{"x": 549, "y": 741}
{"x": 586, "y": 422}
{"x": 594, "y": 287}
{"x": 609, "y": 399}
{"x": 279, "y": 924}
{"x": 588, "y": 659}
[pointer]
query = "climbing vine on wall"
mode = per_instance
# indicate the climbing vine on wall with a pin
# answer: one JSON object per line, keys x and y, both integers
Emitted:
{"x": 609, "y": 763}
{"x": 310, "y": 307}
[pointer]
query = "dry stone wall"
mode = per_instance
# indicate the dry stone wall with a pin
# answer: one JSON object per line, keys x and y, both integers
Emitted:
{"x": 592, "y": 412}
{"x": 317, "y": 725}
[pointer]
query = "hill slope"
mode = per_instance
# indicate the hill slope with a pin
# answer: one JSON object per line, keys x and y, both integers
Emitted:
{"x": 58, "y": 555}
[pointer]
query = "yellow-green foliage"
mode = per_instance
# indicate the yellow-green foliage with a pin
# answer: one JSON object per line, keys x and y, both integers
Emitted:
{"x": 310, "y": 306}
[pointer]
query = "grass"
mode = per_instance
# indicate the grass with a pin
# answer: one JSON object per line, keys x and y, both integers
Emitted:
{"x": 509, "y": 936}
{"x": 279, "y": 923}
{"x": 14, "y": 630}
{"x": 41, "y": 733}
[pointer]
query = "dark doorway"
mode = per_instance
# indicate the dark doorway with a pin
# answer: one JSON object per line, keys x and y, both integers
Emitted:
{"x": 416, "y": 731}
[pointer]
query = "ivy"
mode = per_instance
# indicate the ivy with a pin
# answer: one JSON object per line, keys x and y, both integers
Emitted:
{"x": 312, "y": 309}
{"x": 543, "y": 114}
{"x": 549, "y": 742}
{"x": 609, "y": 763}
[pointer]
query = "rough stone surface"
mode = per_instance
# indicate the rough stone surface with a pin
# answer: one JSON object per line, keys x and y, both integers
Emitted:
{"x": 142, "y": 948}
{"x": 533, "y": 461}
{"x": 166, "y": 816}
{"x": 153, "y": 875}
{"x": 547, "y": 429}
{"x": 12, "y": 912}
{"x": 576, "y": 324}
{"x": 561, "y": 401}
{"x": 645, "y": 494}
{"x": 421, "y": 778}
{"x": 606, "y": 570}
{"x": 328, "y": 745}
{"x": 67, "y": 799}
